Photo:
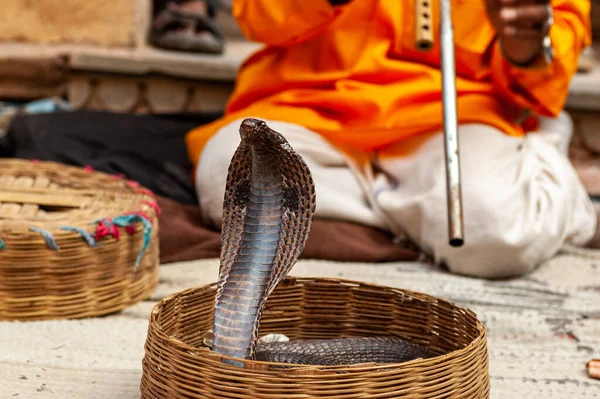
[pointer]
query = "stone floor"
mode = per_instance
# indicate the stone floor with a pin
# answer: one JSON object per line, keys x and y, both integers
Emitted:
{"x": 543, "y": 329}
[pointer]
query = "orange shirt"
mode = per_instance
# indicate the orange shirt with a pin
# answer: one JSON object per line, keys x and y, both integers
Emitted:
{"x": 353, "y": 74}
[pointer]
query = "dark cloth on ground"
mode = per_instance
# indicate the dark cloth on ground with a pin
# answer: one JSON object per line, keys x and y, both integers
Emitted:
{"x": 184, "y": 237}
{"x": 148, "y": 149}
{"x": 182, "y": 234}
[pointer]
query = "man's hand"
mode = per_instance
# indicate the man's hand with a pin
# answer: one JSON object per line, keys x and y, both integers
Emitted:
{"x": 521, "y": 26}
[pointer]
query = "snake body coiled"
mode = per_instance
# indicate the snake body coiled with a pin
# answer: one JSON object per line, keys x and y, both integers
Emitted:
{"x": 268, "y": 211}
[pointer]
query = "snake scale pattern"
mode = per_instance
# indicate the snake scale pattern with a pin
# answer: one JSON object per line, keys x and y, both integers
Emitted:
{"x": 268, "y": 211}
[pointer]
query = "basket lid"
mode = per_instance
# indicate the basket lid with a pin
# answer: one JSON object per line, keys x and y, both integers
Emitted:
{"x": 44, "y": 201}
{"x": 47, "y": 194}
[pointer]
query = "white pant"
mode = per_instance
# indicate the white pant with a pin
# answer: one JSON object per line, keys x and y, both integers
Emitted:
{"x": 522, "y": 198}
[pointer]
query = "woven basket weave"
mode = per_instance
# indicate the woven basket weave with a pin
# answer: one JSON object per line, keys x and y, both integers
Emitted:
{"x": 54, "y": 260}
{"x": 177, "y": 365}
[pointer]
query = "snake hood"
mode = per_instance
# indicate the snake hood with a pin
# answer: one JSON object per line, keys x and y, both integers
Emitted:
{"x": 268, "y": 211}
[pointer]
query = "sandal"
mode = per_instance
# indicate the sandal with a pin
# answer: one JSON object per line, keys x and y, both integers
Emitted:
{"x": 175, "y": 29}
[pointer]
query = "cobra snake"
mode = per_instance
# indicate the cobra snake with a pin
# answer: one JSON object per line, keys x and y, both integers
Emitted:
{"x": 268, "y": 211}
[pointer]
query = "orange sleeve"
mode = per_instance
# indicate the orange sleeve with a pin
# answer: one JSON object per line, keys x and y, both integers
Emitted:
{"x": 545, "y": 90}
{"x": 283, "y": 22}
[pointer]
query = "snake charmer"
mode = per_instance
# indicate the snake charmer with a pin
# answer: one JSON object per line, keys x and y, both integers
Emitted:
{"x": 346, "y": 86}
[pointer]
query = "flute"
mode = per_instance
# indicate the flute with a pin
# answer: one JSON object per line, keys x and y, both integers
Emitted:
{"x": 424, "y": 41}
{"x": 453, "y": 183}
{"x": 423, "y": 25}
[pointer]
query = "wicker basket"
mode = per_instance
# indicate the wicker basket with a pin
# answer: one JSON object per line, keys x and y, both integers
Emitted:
{"x": 73, "y": 242}
{"x": 177, "y": 365}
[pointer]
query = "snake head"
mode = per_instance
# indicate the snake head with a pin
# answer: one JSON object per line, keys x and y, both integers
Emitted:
{"x": 256, "y": 133}
{"x": 252, "y": 129}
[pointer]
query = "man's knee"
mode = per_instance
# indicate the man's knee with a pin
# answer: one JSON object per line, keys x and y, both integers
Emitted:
{"x": 505, "y": 235}
{"x": 494, "y": 259}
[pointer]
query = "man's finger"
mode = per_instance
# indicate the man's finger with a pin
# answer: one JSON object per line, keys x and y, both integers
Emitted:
{"x": 523, "y": 33}
{"x": 526, "y": 16}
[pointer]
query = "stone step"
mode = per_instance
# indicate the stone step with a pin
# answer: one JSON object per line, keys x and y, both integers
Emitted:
{"x": 141, "y": 79}
{"x": 584, "y": 91}
{"x": 145, "y": 60}
{"x": 153, "y": 80}
{"x": 60, "y": 70}
{"x": 140, "y": 60}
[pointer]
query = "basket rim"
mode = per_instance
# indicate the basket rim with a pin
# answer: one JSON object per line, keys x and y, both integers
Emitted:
{"x": 251, "y": 366}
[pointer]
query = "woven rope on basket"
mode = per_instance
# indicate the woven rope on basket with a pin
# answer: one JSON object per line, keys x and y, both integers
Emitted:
{"x": 178, "y": 365}
{"x": 73, "y": 242}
